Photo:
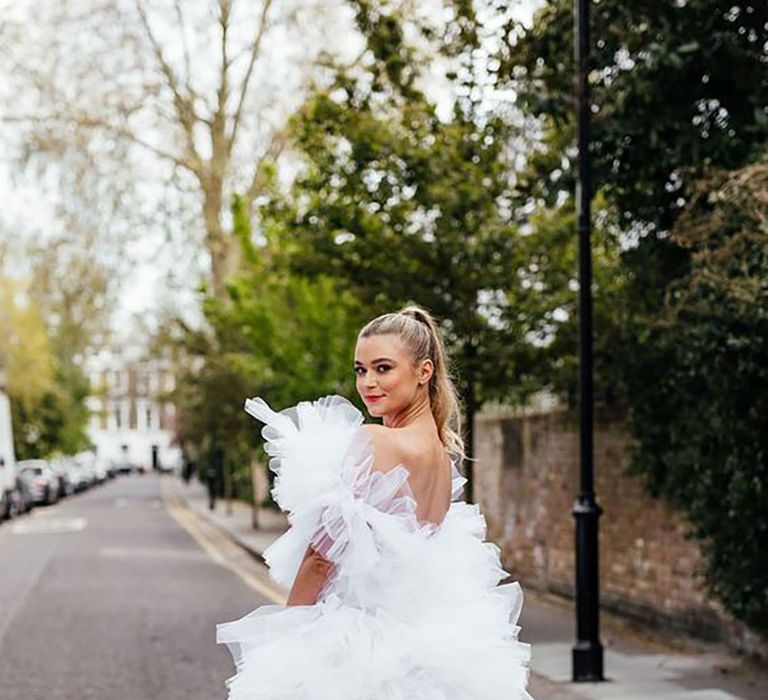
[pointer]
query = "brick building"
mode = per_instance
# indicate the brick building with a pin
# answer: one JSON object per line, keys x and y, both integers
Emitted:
{"x": 132, "y": 421}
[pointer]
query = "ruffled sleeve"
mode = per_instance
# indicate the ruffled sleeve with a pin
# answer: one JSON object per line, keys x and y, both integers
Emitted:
{"x": 325, "y": 482}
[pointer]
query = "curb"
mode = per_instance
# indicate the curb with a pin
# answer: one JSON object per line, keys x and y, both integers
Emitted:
{"x": 222, "y": 528}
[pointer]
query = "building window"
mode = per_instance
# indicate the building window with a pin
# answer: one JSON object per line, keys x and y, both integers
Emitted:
{"x": 118, "y": 416}
{"x": 149, "y": 417}
{"x": 142, "y": 382}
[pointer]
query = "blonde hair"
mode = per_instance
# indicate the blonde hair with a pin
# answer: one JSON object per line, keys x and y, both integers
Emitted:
{"x": 417, "y": 329}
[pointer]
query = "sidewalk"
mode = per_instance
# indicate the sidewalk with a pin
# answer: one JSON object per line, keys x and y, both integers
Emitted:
{"x": 638, "y": 665}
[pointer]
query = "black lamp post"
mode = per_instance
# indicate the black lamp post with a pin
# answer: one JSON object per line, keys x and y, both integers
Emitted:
{"x": 587, "y": 653}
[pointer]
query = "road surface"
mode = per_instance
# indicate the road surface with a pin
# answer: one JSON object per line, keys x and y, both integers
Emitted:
{"x": 114, "y": 594}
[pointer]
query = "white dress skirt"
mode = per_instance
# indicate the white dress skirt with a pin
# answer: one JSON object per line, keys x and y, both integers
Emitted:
{"x": 411, "y": 611}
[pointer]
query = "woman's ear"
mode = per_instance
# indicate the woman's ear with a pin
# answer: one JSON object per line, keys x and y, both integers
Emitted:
{"x": 427, "y": 370}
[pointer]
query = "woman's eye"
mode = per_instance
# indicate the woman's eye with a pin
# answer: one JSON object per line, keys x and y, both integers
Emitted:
{"x": 359, "y": 369}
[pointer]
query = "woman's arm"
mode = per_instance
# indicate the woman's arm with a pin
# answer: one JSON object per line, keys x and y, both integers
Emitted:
{"x": 315, "y": 568}
{"x": 312, "y": 575}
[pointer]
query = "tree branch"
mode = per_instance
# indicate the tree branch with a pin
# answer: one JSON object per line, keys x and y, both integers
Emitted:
{"x": 219, "y": 153}
{"x": 90, "y": 122}
{"x": 277, "y": 144}
{"x": 187, "y": 62}
{"x": 254, "y": 53}
{"x": 184, "y": 108}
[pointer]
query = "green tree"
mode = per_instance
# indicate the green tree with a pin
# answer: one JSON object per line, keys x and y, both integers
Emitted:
{"x": 277, "y": 335}
{"x": 703, "y": 424}
{"x": 404, "y": 205}
{"x": 675, "y": 85}
{"x": 677, "y": 88}
{"x": 55, "y": 423}
{"x": 47, "y": 395}
{"x": 551, "y": 264}
{"x": 678, "y": 91}
{"x": 25, "y": 347}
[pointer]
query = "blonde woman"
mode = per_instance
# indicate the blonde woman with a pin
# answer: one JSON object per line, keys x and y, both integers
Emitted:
{"x": 394, "y": 593}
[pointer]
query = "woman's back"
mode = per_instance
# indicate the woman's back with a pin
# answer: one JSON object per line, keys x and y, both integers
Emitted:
{"x": 427, "y": 462}
{"x": 429, "y": 467}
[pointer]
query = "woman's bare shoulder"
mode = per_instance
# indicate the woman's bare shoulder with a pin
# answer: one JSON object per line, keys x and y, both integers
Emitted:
{"x": 387, "y": 447}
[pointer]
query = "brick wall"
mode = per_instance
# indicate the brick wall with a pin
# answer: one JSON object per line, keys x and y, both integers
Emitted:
{"x": 526, "y": 480}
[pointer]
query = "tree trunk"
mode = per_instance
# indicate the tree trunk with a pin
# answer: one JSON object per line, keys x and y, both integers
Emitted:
{"x": 216, "y": 240}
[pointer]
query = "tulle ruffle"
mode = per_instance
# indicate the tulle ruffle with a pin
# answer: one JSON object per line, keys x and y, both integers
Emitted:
{"x": 333, "y": 650}
{"x": 325, "y": 483}
{"x": 413, "y": 611}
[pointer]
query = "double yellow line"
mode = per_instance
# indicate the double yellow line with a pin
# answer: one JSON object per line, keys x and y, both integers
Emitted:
{"x": 218, "y": 547}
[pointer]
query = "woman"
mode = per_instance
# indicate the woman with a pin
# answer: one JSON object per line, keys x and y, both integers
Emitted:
{"x": 393, "y": 590}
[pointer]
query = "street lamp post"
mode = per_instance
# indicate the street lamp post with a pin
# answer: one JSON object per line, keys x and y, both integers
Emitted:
{"x": 587, "y": 653}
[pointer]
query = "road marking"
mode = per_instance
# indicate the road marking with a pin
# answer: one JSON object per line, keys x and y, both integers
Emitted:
{"x": 214, "y": 543}
{"x": 149, "y": 553}
{"x": 45, "y": 511}
{"x": 48, "y": 526}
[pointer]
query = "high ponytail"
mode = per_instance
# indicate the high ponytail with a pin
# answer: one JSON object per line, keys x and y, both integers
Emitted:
{"x": 417, "y": 329}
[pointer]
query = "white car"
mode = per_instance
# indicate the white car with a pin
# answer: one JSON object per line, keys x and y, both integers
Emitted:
{"x": 41, "y": 479}
{"x": 8, "y": 471}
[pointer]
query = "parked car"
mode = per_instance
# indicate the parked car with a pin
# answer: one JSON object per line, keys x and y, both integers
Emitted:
{"x": 25, "y": 500}
{"x": 60, "y": 467}
{"x": 87, "y": 462}
{"x": 126, "y": 467}
{"x": 79, "y": 476}
{"x": 41, "y": 480}
{"x": 101, "y": 473}
{"x": 109, "y": 466}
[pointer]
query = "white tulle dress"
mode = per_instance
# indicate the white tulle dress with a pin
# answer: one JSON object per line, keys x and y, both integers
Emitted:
{"x": 412, "y": 610}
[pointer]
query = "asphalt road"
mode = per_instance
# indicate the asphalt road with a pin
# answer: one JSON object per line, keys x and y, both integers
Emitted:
{"x": 107, "y": 595}
{"x": 114, "y": 594}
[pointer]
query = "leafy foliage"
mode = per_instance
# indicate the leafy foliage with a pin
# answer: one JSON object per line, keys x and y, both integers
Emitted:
{"x": 277, "y": 335}
{"x": 554, "y": 313}
{"x": 56, "y": 422}
{"x": 705, "y": 419}
{"x": 402, "y": 205}
{"x": 678, "y": 91}
{"x": 47, "y": 393}
{"x": 674, "y": 85}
